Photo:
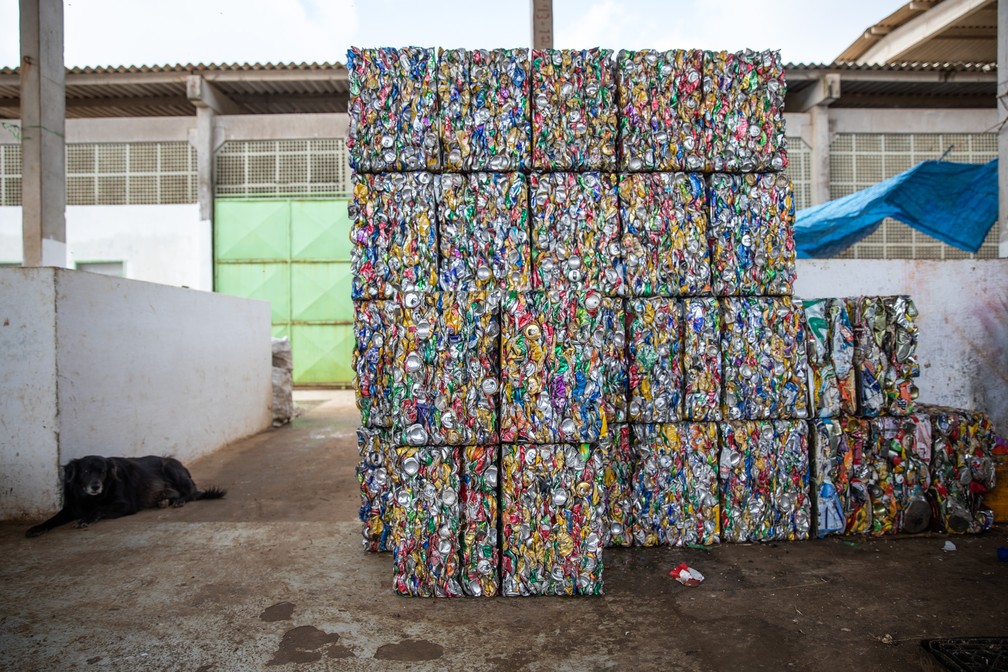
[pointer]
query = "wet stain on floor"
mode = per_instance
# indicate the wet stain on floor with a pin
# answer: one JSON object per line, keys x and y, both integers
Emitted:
{"x": 308, "y": 644}
{"x": 281, "y": 611}
{"x": 412, "y": 650}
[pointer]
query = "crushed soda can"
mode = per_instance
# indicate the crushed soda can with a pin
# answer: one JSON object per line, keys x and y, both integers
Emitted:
{"x": 831, "y": 465}
{"x": 751, "y": 234}
{"x": 842, "y": 354}
{"x": 905, "y": 443}
{"x": 675, "y": 484}
{"x": 881, "y": 482}
{"x": 552, "y": 520}
{"x": 662, "y": 111}
{"x": 618, "y": 466}
{"x": 702, "y": 377}
{"x": 822, "y": 377}
{"x": 857, "y": 475}
{"x": 373, "y": 358}
{"x": 394, "y": 234}
{"x": 478, "y": 521}
{"x": 664, "y": 217}
{"x": 764, "y": 358}
{"x": 764, "y": 480}
{"x": 573, "y": 95}
{"x": 375, "y": 470}
{"x": 868, "y": 317}
{"x": 900, "y": 346}
{"x": 446, "y": 371}
{"x": 483, "y": 231}
{"x": 552, "y": 378}
{"x": 426, "y": 522}
{"x": 743, "y": 107}
{"x": 484, "y": 110}
{"x": 576, "y": 239}
{"x": 392, "y": 110}
{"x": 655, "y": 360}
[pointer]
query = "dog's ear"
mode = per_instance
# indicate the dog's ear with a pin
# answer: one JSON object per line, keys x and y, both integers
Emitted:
{"x": 69, "y": 471}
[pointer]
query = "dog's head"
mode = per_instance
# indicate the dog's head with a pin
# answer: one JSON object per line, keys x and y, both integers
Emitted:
{"x": 89, "y": 476}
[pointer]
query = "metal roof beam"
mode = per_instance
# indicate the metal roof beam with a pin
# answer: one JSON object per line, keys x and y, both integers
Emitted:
{"x": 918, "y": 29}
{"x": 822, "y": 92}
{"x": 901, "y": 76}
{"x": 202, "y": 93}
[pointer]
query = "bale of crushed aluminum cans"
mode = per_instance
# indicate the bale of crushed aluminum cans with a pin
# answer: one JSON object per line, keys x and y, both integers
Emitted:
{"x": 661, "y": 104}
{"x": 842, "y": 354}
{"x": 373, "y": 357}
{"x": 764, "y": 480}
{"x": 764, "y": 359}
{"x": 824, "y": 388}
{"x": 655, "y": 360}
{"x": 751, "y": 234}
{"x": 478, "y": 509}
{"x": 900, "y": 345}
{"x": 484, "y": 109}
{"x": 870, "y": 362}
{"x": 675, "y": 484}
{"x": 744, "y": 111}
{"x": 573, "y": 95}
{"x": 445, "y": 378}
{"x": 576, "y": 232}
{"x": 829, "y": 457}
{"x": 552, "y": 520}
{"x": 885, "y": 354}
{"x": 664, "y": 217}
{"x": 905, "y": 442}
{"x": 618, "y": 466}
{"x": 393, "y": 110}
{"x": 702, "y": 373}
{"x": 552, "y": 378}
{"x": 856, "y": 474}
{"x": 375, "y": 471}
{"x": 483, "y": 232}
{"x": 615, "y": 384}
{"x": 393, "y": 233}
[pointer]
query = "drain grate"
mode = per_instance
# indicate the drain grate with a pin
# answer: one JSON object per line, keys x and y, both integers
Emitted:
{"x": 970, "y": 654}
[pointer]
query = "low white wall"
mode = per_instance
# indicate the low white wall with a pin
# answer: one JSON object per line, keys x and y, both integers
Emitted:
{"x": 139, "y": 368}
{"x": 963, "y": 321}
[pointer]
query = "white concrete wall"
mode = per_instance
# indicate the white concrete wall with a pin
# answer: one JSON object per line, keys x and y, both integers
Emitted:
{"x": 167, "y": 244}
{"x": 963, "y": 321}
{"x": 135, "y": 368}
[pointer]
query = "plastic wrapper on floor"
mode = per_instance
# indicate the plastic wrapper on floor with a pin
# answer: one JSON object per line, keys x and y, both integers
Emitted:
{"x": 675, "y": 484}
{"x": 375, "y": 470}
{"x": 479, "y": 511}
{"x": 375, "y": 325}
{"x": 392, "y": 110}
{"x": 552, "y": 520}
{"x": 618, "y": 463}
{"x": 702, "y": 373}
{"x": 394, "y": 234}
{"x": 655, "y": 360}
{"x": 573, "y": 96}
{"x": 664, "y": 218}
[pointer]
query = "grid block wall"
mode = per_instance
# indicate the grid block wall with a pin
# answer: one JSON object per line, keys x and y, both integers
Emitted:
{"x": 799, "y": 169}
{"x": 270, "y": 168}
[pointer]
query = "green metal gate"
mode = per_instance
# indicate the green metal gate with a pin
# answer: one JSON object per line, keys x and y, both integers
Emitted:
{"x": 296, "y": 255}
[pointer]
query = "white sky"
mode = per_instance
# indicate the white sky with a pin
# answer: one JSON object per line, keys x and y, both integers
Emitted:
{"x": 170, "y": 32}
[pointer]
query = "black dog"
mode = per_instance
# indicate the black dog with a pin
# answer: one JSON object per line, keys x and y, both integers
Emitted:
{"x": 109, "y": 487}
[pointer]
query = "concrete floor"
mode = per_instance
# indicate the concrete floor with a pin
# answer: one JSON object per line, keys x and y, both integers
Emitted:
{"x": 273, "y": 577}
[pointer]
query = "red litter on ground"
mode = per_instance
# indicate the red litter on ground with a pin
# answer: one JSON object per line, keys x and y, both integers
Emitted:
{"x": 686, "y": 575}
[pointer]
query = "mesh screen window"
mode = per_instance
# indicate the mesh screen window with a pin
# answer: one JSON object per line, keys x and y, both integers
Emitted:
{"x": 269, "y": 168}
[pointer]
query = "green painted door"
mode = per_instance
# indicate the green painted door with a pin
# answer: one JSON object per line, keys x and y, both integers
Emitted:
{"x": 296, "y": 255}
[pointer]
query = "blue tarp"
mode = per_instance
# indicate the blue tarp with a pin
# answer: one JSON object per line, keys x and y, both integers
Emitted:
{"x": 957, "y": 203}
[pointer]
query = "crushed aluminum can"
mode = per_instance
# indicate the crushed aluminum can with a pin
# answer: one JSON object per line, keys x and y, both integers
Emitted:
{"x": 830, "y": 457}
{"x": 484, "y": 110}
{"x": 662, "y": 109}
{"x": 751, "y": 234}
{"x": 842, "y": 353}
{"x": 552, "y": 520}
{"x": 375, "y": 470}
{"x": 856, "y": 475}
{"x": 764, "y": 358}
{"x": 900, "y": 346}
{"x": 675, "y": 484}
{"x": 615, "y": 390}
{"x": 483, "y": 231}
{"x": 392, "y": 110}
{"x": 618, "y": 466}
{"x": 664, "y": 217}
{"x": 576, "y": 238}
{"x": 446, "y": 372}
{"x": 868, "y": 318}
{"x": 373, "y": 358}
{"x": 573, "y": 95}
{"x": 478, "y": 513}
{"x": 743, "y": 95}
{"x": 394, "y": 234}
{"x": 822, "y": 377}
{"x": 702, "y": 374}
{"x": 905, "y": 443}
{"x": 655, "y": 360}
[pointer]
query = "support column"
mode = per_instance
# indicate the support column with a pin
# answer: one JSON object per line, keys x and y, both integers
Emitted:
{"x": 43, "y": 142}
{"x": 819, "y": 122}
{"x": 1002, "y": 103}
{"x": 542, "y": 24}
{"x": 205, "y": 148}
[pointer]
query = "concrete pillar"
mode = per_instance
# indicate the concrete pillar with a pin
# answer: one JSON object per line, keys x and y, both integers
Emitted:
{"x": 43, "y": 145}
{"x": 205, "y": 148}
{"x": 819, "y": 123}
{"x": 1002, "y": 103}
{"x": 542, "y": 24}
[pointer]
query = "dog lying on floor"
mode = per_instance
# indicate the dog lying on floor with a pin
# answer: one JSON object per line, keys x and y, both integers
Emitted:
{"x": 109, "y": 487}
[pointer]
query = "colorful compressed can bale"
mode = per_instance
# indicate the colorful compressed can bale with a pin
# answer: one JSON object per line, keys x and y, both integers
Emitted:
{"x": 842, "y": 354}
{"x": 483, "y": 231}
{"x": 881, "y": 482}
{"x": 373, "y": 358}
{"x": 822, "y": 378}
{"x": 830, "y": 458}
{"x": 393, "y": 234}
{"x": 552, "y": 378}
{"x": 576, "y": 232}
{"x": 478, "y": 525}
{"x": 675, "y": 484}
{"x": 484, "y": 110}
{"x": 702, "y": 377}
{"x": 856, "y": 475}
{"x": 661, "y": 102}
{"x": 764, "y": 480}
{"x": 764, "y": 359}
{"x": 426, "y": 522}
{"x": 392, "y": 110}
{"x": 618, "y": 465}
{"x": 900, "y": 345}
{"x": 615, "y": 391}
{"x": 573, "y": 95}
{"x": 446, "y": 372}
{"x": 552, "y": 520}
{"x": 664, "y": 218}
{"x": 751, "y": 234}
{"x": 655, "y": 360}
{"x": 375, "y": 471}
{"x": 743, "y": 107}
{"x": 905, "y": 442}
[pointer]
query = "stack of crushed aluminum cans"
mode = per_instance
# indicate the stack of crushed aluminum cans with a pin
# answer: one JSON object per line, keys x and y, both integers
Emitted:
{"x": 575, "y": 330}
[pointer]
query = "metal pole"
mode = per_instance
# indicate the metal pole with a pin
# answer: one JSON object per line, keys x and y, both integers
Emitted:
{"x": 1002, "y": 104}
{"x": 542, "y": 24}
